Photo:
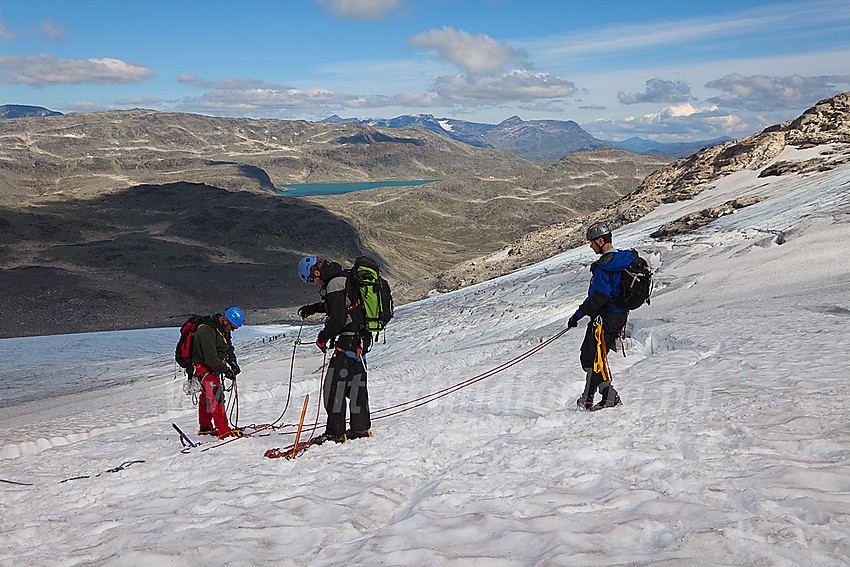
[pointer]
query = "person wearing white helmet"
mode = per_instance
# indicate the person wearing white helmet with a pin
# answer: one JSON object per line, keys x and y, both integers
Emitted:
{"x": 215, "y": 358}
{"x": 343, "y": 333}
{"x": 607, "y": 317}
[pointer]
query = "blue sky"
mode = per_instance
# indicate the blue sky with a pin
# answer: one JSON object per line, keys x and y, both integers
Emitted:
{"x": 664, "y": 70}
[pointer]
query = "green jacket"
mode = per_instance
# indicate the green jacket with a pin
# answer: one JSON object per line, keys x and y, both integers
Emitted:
{"x": 212, "y": 347}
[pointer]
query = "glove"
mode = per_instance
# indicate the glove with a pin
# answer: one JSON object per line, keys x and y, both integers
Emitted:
{"x": 307, "y": 310}
{"x": 573, "y": 322}
{"x": 235, "y": 368}
{"x": 323, "y": 345}
{"x": 229, "y": 374}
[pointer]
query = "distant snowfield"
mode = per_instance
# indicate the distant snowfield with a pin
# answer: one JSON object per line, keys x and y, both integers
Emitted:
{"x": 732, "y": 446}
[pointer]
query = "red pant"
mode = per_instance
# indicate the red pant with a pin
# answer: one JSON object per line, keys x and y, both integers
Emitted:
{"x": 211, "y": 406}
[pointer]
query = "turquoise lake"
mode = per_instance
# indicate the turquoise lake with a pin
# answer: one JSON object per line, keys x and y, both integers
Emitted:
{"x": 310, "y": 189}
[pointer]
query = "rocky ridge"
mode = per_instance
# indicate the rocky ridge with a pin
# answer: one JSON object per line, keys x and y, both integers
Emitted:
{"x": 828, "y": 122}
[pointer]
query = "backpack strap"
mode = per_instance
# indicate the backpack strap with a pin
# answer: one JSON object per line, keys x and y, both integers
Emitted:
{"x": 605, "y": 259}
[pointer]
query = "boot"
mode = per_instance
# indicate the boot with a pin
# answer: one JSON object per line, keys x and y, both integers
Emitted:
{"x": 206, "y": 430}
{"x": 234, "y": 432}
{"x": 319, "y": 439}
{"x": 607, "y": 404}
{"x": 358, "y": 434}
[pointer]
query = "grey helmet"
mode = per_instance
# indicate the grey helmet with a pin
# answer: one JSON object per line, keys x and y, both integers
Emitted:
{"x": 598, "y": 230}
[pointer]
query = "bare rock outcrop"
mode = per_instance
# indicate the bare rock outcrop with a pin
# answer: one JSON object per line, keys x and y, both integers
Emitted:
{"x": 693, "y": 221}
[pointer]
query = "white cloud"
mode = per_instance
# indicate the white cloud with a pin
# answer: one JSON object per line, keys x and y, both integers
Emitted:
{"x": 542, "y": 106}
{"x": 681, "y": 110}
{"x": 277, "y": 102}
{"x": 683, "y": 120}
{"x": 659, "y": 90}
{"x": 363, "y": 9}
{"x": 759, "y": 92}
{"x": 475, "y": 54}
{"x": 485, "y": 79}
{"x": 517, "y": 85}
{"x": 53, "y": 30}
{"x": 45, "y": 70}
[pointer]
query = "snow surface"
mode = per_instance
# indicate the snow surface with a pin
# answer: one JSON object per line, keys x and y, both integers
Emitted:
{"x": 731, "y": 448}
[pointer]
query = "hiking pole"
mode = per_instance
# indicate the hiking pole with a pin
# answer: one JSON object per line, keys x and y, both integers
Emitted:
{"x": 300, "y": 424}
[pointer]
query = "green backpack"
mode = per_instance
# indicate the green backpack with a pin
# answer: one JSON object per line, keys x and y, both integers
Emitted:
{"x": 375, "y": 294}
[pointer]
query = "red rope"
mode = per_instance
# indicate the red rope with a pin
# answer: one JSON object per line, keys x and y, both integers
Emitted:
{"x": 468, "y": 382}
{"x": 403, "y": 406}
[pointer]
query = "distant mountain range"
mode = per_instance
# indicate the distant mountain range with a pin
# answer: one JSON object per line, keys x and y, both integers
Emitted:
{"x": 24, "y": 111}
{"x": 531, "y": 139}
{"x": 536, "y": 139}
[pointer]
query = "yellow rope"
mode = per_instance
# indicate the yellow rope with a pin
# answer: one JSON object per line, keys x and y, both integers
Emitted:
{"x": 598, "y": 364}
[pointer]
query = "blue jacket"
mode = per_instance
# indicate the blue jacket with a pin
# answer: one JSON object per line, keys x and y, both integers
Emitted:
{"x": 605, "y": 283}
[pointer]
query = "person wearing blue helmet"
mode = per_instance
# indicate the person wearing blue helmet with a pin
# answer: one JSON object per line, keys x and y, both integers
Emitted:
{"x": 304, "y": 267}
{"x": 215, "y": 358}
{"x": 343, "y": 333}
{"x": 607, "y": 318}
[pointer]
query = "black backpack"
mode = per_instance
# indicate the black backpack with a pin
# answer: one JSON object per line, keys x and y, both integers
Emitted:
{"x": 185, "y": 346}
{"x": 636, "y": 280}
{"x": 374, "y": 292}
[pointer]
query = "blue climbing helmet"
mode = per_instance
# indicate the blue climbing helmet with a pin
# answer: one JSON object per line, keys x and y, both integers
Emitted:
{"x": 598, "y": 230}
{"x": 305, "y": 265}
{"x": 235, "y": 316}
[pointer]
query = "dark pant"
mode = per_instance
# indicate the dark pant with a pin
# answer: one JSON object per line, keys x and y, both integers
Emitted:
{"x": 612, "y": 325}
{"x": 346, "y": 378}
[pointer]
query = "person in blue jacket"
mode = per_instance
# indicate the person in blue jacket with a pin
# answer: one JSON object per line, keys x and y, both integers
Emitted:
{"x": 602, "y": 308}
